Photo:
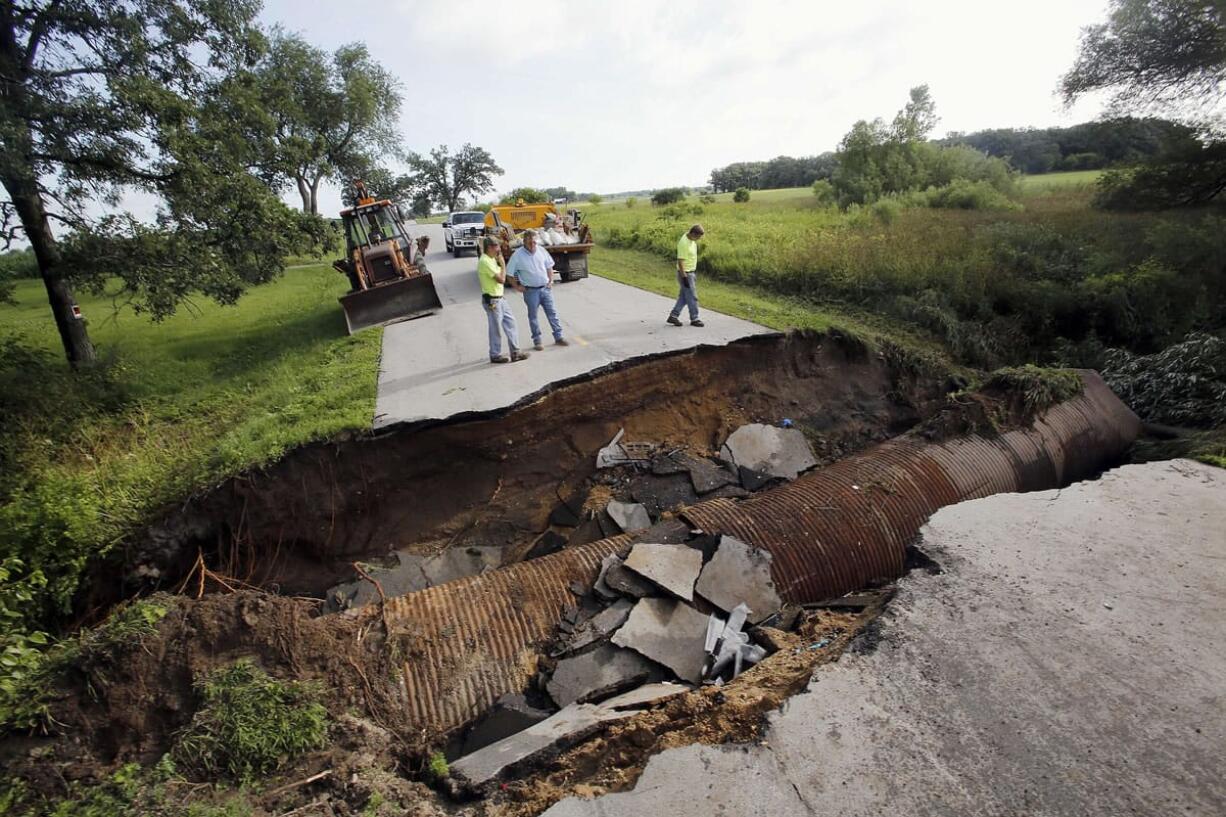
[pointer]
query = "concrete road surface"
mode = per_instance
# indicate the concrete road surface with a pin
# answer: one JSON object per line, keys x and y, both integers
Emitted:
{"x": 438, "y": 366}
{"x": 1070, "y": 660}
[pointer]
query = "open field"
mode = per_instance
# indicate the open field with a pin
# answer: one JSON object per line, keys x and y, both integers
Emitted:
{"x": 1055, "y": 181}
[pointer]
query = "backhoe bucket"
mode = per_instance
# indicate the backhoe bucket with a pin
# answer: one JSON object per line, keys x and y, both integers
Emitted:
{"x": 395, "y": 301}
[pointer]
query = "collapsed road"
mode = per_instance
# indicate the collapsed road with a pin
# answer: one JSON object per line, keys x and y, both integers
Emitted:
{"x": 631, "y": 562}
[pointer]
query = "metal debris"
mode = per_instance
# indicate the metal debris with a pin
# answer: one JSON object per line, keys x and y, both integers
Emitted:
{"x": 732, "y": 652}
{"x": 619, "y": 453}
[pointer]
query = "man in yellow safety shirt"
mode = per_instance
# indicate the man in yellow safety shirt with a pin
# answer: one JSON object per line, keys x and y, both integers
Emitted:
{"x": 687, "y": 266}
{"x": 497, "y": 313}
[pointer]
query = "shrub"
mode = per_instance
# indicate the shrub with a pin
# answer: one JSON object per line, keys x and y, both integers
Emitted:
{"x": 529, "y": 195}
{"x": 630, "y": 202}
{"x": 707, "y": 198}
{"x": 887, "y": 210}
{"x": 595, "y": 198}
{"x": 669, "y": 195}
{"x": 741, "y": 195}
{"x": 823, "y": 191}
{"x": 1185, "y": 384}
{"x": 1038, "y": 387}
{"x": 962, "y": 194}
{"x": 250, "y": 725}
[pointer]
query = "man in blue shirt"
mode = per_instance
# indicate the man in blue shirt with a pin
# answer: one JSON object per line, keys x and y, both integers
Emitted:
{"x": 532, "y": 266}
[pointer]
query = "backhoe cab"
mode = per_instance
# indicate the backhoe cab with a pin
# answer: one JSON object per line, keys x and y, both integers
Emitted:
{"x": 388, "y": 282}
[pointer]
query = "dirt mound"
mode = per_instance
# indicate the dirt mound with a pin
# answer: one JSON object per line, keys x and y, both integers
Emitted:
{"x": 125, "y": 704}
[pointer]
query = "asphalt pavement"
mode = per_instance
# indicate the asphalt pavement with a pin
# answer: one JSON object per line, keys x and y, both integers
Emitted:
{"x": 1070, "y": 659}
{"x": 438, "y": 366}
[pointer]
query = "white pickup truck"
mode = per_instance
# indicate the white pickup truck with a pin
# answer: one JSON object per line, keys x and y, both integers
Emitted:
{"x": 463, "y": 231}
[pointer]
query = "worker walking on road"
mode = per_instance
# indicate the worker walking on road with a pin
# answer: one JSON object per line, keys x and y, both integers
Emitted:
{"x": 532, "y": 268}
{"x": 687, "y": 266}
{"x": 493, "y": 278}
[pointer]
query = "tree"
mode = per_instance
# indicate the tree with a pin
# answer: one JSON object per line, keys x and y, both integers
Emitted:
{"x": 447, "y": 178}
{"x": 101, "y": 95}
{"x": 595, "y": 198}
{"x": 528, "y": 195}
{"x": 1153, "y": 52}
{"x": 741, "y": 195}
{"x": 328, "y": 116}
{"x": 669, "y": 195}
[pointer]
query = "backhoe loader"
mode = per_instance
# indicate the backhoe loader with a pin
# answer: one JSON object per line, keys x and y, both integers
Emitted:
{"x": 388, "y": 282}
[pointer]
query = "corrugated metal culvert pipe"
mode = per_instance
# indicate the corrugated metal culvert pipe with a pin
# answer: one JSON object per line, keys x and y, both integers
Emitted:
{"x": 830, "y": 531}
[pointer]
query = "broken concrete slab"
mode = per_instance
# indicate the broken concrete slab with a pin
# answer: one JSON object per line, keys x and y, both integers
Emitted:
{"x": 668, "y": 632}
{"x": 604, "y": 671}
{"x": 630, "y": 517}
{"x": 598, "y": 626}
{"x": 739, "y": 572}
{"x": 780, "y": 452}
{"x": 411, "y": 572}
{"x": 672, "y": 567}
{"x": 601, "y": 587}
{"x": 571, "y": 724}
{"x": 662, "y": 493}
{"x": 673, "y": 462}
{"x": 508, "y": 715}
{"x": 645, "y": 695}
{"x": 628, "y": 583}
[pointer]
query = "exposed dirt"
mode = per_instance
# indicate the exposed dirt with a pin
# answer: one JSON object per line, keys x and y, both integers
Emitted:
{"x": 297, "y": 526}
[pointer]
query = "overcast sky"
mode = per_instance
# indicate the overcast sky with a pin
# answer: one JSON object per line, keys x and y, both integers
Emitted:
{"x": 634, "y": 94}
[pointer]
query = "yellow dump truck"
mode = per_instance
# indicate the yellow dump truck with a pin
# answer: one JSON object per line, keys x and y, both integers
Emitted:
{"x": 569, "y": 254}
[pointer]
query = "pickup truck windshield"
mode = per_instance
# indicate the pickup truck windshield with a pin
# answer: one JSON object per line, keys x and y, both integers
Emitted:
{"x": 467, "y": 218}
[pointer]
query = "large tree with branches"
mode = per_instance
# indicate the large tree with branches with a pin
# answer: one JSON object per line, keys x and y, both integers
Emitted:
{"x": 100, "y": 97}
{"x": 447, "y": 178}
{"x": 330, "y": 115}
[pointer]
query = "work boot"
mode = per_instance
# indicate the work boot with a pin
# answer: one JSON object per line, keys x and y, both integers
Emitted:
{"x": 538, "y": 346}
{"x": 517, "y": 355}
{"x": 561, "y": 342}
{"x": 500, "y": 359}
{"x": 697, "y": 323}
{"x": 674, "y": 320}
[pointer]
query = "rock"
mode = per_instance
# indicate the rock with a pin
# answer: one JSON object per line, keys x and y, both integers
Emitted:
{"x": 668, "y": 632}
{"x": 627, "y": 582}
{"x": 660, "y": 494}
{"x": 774, "y": 640}
{"x": 740, "y": 573}
{"x": 779, "y": 452}
{"x": 601, "y": 587}
{"x": 508, "y": 715}
{"x": 675, "y": 462}
{"x": 752, "y": 480}
{"x": 606, "y": 670}
{"x": 629, "y": 517}
{"x": 672, "y": 567}
{"x": 729, "y": 492}
{"x": 598, "y": 626}
{"x": 562, "y": 729}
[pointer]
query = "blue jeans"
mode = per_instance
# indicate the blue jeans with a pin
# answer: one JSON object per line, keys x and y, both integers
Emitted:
{"x": 534, "y": 298}
{"x": 498, "y": 314}
{"x": 687, "y": 297}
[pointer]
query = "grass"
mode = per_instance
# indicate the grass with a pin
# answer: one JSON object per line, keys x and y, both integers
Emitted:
{"x": 250, "y": 725}
{"x": 1057, "y": 181}
{"x": 179, "y": 406}
{"x": 647, "y": 271}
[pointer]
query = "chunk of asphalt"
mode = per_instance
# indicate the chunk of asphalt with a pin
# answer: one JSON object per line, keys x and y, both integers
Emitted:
{"x": 668, "y": 632}
{"x": 608, "y": 527}
{"x": 629, "y": 516}
{"x": 738, "y": 573}
{"x": 602, "y": 672}
{"x": 752, "y": 480}
{"x": 548, "y": 542}
{"x": 625, "y": 581}
{"x": 660, "y": 494}
{"x": 601, "y": 587}
{"x": 706, "y": 476}
{"x": 412, "y": 572}
{"x": 566, "y": 516}
{"x": 598, "y": 626}
{"x": 674, "y": 462}
{"x": 645, "y": 695}
{"x": 779, "y": 452}
{"x": 508, "y": 715}
{"x": 672, "y": 567}
{"x": 562, "y": 729}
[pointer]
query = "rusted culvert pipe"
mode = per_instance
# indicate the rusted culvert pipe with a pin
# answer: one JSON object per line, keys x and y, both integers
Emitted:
{"x": 830, "y": 531}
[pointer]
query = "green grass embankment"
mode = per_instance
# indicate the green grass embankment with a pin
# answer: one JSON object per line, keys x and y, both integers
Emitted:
{"x": 175, "y": 407}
